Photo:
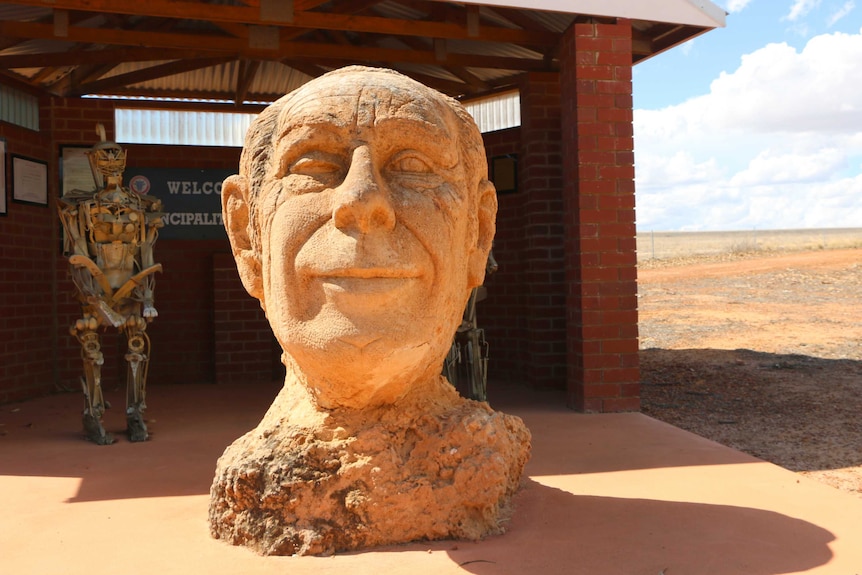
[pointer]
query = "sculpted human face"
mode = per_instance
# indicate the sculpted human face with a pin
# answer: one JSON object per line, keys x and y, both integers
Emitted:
{"x": 368, "y": 223}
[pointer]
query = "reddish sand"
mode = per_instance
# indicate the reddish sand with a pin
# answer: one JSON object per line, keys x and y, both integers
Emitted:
{"x": 605, "y": 495}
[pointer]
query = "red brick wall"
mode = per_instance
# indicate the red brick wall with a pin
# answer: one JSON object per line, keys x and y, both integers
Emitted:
{"x": 542, "y": 228}
{"x": 245, "y": 349}
{"x": 601, "y": 270}
{"x": 503, "y": 314}
{"x": 28, "y": 250}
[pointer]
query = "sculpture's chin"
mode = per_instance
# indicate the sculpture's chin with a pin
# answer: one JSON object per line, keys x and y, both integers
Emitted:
{"x": 346, "y": 376}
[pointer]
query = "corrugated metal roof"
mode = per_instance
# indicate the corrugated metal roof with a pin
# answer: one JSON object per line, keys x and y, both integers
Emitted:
{"x": 109, "y": 43}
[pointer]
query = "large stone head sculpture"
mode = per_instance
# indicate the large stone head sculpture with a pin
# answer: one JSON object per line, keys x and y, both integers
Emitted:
{"x": 361, "y": 218}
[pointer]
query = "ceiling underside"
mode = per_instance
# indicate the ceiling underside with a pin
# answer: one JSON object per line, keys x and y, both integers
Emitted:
{"x": 257, "y": 50}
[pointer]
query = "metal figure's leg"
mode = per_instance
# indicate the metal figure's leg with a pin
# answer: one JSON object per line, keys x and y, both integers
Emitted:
{"x": 477, "y": 365}
{"x": 450, "y": 364}
{"x": 136, "y": 377}
{"x": 94, "y": 401}
{"x": 475, "y": 360}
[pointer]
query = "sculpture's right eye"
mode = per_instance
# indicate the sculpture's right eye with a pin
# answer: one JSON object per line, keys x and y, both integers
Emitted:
{"x": 314, "y": 167}
{"x": 313, "y": 173}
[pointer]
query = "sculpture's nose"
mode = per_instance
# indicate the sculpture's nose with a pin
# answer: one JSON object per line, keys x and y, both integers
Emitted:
{"x": 362, "y": 200}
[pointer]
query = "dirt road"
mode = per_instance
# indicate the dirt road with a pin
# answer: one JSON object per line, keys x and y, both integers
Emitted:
{"x": 762, "y": 352}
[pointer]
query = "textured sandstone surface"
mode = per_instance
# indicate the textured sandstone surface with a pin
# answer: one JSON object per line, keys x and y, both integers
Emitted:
{"x": 317, "y": 483}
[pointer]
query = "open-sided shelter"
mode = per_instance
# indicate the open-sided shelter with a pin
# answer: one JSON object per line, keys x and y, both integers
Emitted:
{"x": 562, "y": 310}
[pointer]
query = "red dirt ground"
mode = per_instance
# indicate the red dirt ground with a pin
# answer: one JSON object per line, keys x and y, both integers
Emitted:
{"x": 761, "y": 352}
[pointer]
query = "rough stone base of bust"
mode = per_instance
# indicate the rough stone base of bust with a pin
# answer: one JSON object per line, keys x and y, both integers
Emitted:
{"x": 345, "y": 481}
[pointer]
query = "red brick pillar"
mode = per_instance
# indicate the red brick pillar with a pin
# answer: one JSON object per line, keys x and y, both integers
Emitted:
{"x": 542, "y": 256}
{"x": 599, "y": 211}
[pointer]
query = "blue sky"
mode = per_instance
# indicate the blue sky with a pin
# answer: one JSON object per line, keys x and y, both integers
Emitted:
{"x": 757, "y": 125}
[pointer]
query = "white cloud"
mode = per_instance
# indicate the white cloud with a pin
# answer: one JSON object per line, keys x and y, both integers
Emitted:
{"x": 846, "y": 9}
{"x": 777, "y": 143}
{"x": 687, "y": 47}
{"x": 678, "y": 169}
{"x": 779, "y": 89}
{"x": 737, "y": 5}
{"x": 801, "y": 8}
{"x": 770, "y": 167}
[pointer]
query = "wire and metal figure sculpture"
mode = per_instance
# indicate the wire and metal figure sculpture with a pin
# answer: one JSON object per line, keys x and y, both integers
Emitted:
{"x": 108, "y": 237}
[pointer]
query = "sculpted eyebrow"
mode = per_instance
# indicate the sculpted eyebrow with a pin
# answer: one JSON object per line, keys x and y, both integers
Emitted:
{"x": 429, "y": 139}
{"x": 311, "y": 134}
{"x": 296, "y": 140}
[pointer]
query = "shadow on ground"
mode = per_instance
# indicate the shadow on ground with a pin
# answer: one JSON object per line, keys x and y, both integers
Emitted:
{"x": 800, "y": 412}
{"x": 615, "y": 536}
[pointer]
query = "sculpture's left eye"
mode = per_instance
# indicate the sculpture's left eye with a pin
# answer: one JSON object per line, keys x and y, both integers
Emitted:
{"x": 410, "y": 164}
{"x": 412, "y": 170}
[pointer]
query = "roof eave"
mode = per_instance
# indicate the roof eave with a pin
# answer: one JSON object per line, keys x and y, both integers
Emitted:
{"x": 689, "y": 12}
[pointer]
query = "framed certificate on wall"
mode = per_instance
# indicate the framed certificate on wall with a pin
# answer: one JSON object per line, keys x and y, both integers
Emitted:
{"x": 2, "y": 177}
{"x": 29, "y": 181}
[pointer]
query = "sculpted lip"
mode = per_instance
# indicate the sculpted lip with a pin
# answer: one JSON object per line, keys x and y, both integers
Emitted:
{"x": 366, "y": 273}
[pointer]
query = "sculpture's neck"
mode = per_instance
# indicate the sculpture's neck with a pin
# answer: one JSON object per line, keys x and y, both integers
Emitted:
{"x": 427, "y": 395}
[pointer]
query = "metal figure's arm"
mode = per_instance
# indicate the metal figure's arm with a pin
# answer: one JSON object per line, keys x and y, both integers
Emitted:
{"x": 142, "y": 283}
{"x": 151, "y": 234}
{"x": 84, "y": 262}
{"x": 73, "y": 240}
{"x": 147, "y": 259}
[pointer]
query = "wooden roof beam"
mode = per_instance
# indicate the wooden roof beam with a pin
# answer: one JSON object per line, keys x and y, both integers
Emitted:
{"x": 151, "y": 73}
{"x": 247, "y": 71}
{"x": 83, "y": 57}
{"x": 305, "y": 67}
{"x": 304, "y": 19}
{"x": 457, "y": 71}
{"x": 238, "y": 48}
{"x": 449, "y": 87}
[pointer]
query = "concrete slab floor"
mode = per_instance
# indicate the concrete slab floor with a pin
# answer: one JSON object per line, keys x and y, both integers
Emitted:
{"x": 604, "y": 495}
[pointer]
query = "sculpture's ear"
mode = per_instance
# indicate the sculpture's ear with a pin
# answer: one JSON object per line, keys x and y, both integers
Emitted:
{"x": 486, "y": 207}
{"x": 234, "y": 193}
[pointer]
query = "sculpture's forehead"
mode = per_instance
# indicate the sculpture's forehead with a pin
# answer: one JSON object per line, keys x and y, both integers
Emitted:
{"x": 362, "y": 102}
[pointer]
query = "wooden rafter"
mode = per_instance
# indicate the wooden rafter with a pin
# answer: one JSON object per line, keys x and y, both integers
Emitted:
{"x": 458, "y": 71}
{"x": 238, "y": 47}
{"x": 304, "y": 19}
{"x": 247, "y": 71}
{"x": 82, "y": 57}
{"x": 151, "y": 73}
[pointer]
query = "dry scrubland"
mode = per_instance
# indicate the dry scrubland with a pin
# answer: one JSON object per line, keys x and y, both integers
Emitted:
{"x": 756, "y": 343}
{"x": 670, "y": 245}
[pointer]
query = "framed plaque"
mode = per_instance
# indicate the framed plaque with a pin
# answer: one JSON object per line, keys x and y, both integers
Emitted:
{"x": 29, "y": 181}
{"x": 2, "y": 177}
{"x": 504, "y": 173}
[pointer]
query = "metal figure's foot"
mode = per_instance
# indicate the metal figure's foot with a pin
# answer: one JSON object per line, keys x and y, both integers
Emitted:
{"x": 95, "y": 432}
{"x": 136, "y": 427}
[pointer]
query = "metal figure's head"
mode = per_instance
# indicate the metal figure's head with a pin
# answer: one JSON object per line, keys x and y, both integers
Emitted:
{"x": 107, "y": 160}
